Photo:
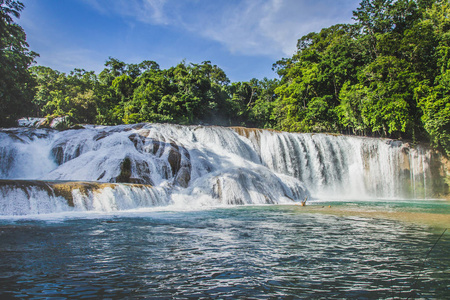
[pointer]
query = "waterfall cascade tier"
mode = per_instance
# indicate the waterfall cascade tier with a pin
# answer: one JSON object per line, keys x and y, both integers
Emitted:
{"x": 132, "y": 166}
{"x": 338, "y": 166}
{"x": 39, "y": 197}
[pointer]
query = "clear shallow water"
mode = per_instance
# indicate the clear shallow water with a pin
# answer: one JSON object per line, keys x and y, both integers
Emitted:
{"x": 239, "y": 252}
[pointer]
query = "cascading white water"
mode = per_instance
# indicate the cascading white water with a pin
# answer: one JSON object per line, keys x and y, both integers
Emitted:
{"x": 24, "y": 153}
{"x": 40, "y": 197}
{"x": 196, "y": 165}
{"x": 347, "y": 167}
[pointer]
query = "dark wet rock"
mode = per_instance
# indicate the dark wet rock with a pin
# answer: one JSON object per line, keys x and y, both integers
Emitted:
{"x": 60, "y": 155}
{"x": 7, "y": 159}
{"x": 180, "y": 164}
{"x": 156, "y": 146}
{"x": 101, "y": 135}
{"x": 133, "y": 172}
{"x": 183, "y": 177}
{"x": 174, "y": 160}
{"x": 137, "y": 140}
{"x": 125, "y": 171}
{"x": 143, "y": 143}
{"x": 101, "y": 176}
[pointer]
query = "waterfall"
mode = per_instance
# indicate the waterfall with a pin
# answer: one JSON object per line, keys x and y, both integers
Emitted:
{"x": 39, "y": 197}
{"x": 109, "y": 168}
{"x": 349, "y": 167}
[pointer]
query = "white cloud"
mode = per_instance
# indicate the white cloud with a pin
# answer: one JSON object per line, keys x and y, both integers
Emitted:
{"x": 272, "y": 27}
{"x": 147, "y": 11}
{"x": 250, "y": 27}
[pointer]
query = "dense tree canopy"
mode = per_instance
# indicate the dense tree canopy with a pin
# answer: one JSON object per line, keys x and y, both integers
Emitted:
{"x": 387, "y": 74}
{"x": 132, "y": 93}
{"x": 16, "y": 82}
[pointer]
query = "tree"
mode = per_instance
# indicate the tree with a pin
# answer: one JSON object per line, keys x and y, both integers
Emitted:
{"x": 263, "y": 107}
{"x": 16, "y": 83}
{"x": 434, "y": 96}
{"x": 386, "y": 74}
{"x": 311, "y": 80}
{"x": 73, "y": 96}
{"x": 47, "y": 80}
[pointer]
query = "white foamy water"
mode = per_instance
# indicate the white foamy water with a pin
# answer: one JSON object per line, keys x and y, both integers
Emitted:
{"x": 196, "y": 166}
{"x": 348, "y": 167}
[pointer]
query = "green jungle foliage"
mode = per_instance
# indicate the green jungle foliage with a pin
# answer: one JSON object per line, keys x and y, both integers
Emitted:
{"x": 16, "y": 83}
{"x": 132, "y": 93}
{"x": 387, "y": 74}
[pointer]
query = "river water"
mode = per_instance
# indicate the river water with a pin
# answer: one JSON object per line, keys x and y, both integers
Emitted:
{"x": 325, "y": 250}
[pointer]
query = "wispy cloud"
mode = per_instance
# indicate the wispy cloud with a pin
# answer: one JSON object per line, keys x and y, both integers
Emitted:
{"x": 250, "y": 27}
{"x": 170, "y": 30}
{"x": 147, "y": 11}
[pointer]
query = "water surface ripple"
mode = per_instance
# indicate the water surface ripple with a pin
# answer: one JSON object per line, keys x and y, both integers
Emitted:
{"x": 258, "y": 252}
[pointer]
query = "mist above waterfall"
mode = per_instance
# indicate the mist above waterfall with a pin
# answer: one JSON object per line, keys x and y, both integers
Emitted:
{"x": 202, "y": 165}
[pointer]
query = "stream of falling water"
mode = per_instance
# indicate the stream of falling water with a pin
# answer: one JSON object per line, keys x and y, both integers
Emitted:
{"x": 210, "y": 166}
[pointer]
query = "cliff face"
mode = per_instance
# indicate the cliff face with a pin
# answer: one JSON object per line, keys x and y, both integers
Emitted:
{"x": 441, "y": 173}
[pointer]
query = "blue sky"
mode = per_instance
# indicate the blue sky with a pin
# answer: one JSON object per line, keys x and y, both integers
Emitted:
{"x": 243, "y": 37}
